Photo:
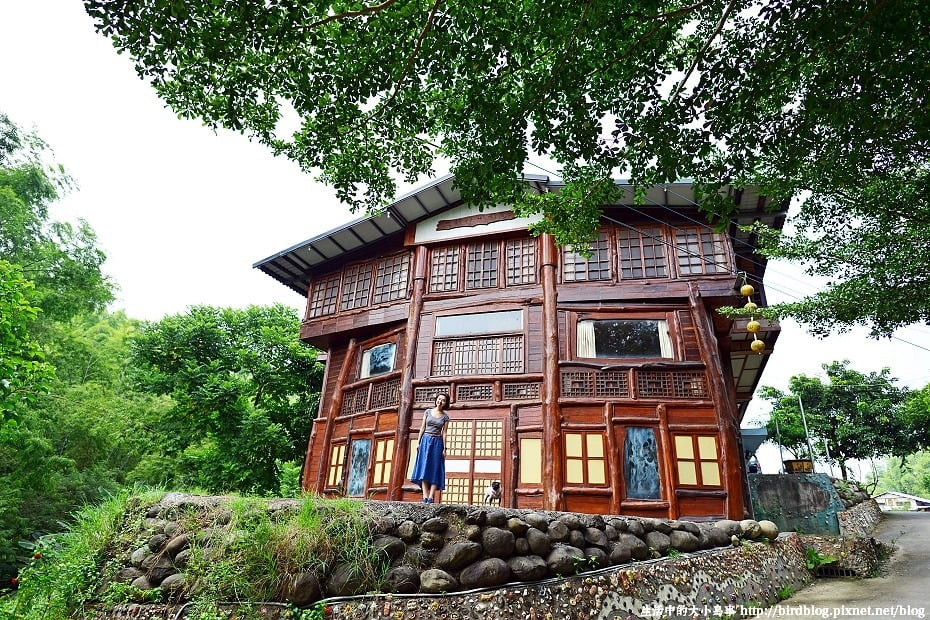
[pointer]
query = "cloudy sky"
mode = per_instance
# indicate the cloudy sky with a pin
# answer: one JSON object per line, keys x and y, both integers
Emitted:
{"x": 183, "y": 212}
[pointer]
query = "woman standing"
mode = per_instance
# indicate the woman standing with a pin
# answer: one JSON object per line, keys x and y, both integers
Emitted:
{"x": 429, "y": 470}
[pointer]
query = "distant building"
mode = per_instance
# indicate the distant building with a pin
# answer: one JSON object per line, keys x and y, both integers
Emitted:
{"x": 605, "y": 384}
{"x": 894, "y": 500}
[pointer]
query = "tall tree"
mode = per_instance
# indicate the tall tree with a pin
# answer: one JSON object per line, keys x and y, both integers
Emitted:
{"x": 61, "y": 259}
{"x": 245, "y": 391}
{"x": 851, "y": 416}
{"x": 827, "y": 98}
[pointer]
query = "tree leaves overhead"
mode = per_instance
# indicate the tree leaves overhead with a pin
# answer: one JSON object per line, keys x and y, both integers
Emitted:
{"x": 826, "y": 98}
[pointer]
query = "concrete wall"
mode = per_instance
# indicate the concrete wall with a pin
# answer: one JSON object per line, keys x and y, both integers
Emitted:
{"x": 806, "y": 503}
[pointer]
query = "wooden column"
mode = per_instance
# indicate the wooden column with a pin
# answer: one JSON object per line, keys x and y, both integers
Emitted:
{"x": 405, "y": 409}
{"x": 725, "y": 404}
{"x": 614, "y": 461}
{"x": 666, "y": 464}
{"x": 553, "y": 452}
{"x": 335, "y": 406}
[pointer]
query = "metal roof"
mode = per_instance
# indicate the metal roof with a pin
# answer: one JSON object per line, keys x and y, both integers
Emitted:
{"x": 295, "y": 265}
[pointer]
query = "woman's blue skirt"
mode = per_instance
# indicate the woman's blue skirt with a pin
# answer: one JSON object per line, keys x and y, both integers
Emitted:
{"x": 430, "y": 465}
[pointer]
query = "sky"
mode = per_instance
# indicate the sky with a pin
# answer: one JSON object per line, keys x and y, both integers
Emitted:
{"x": 183, "y": 212}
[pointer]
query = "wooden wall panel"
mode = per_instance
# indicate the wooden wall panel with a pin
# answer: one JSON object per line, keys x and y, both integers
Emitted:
{"x": 631, "y": 414}
{"x": 578, "y": 414}
{"x": 534, "y": 502}
{"x": 534, "y": 344}
{"x": 424, "y": 346}
{"x": 530, "y": 416}
{"x": 702, "y": 507}
{"x": 691, "y": 415}
{"x": 587, "y": 502}
{"x": 689, "y": 339}
{"x": 387, "y": 421}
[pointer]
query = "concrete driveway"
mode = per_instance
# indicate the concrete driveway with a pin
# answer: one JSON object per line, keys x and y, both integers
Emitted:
{"x": 901, "y": 591}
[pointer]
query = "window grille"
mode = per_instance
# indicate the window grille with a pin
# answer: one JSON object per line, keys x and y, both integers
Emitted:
{"x": 521, "y": 261}
{"x": 577, "y": 268}
{"x": 355, "y": 401}
{"x": 689, "y": 385}
{"x": 391, "y": 281}
{"x": 444, "y": 269}
{"x": 700, "y": 251}
{"x": 385, "y": 394}
{"x": 429, "y": 394}
{"x": 473, "y": 356}
{"x": 612, "y": 384}
{"x": 642, "y": 252}
{"x": 324, "y": 296}
{"x": 482, "y": 265}
{"x": 484, "y": 391}
{"x": 521, "y": 391}
{"x": 356, "y": 286}
{"x": 653, "y": 383}
{"x": 578, "y": 384}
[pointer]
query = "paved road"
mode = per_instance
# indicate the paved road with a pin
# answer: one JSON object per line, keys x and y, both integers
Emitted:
{"x": 902, "y": 591}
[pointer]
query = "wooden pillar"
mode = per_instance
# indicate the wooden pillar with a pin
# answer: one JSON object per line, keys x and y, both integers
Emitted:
{"x": 666, "y": 463}
{"x": 730, "y": 459}
{"x": 510, "y": 491}
{"x": 614, "y": 461}
{"x": 553, "y": 451}
{"x": 405, "y": 409}
{"x": 335, "y": 406}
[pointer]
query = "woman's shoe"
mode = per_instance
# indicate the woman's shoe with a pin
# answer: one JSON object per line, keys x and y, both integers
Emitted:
{"x": 429, "y": 500}
{"x": 425, "y": 500}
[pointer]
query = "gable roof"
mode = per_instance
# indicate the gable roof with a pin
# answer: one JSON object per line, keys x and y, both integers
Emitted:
{"x": 295, "y": 266}
{"x": 919, "y": 500}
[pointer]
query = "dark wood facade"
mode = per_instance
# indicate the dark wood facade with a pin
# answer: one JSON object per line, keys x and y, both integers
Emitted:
{"x": 602, "y": 384}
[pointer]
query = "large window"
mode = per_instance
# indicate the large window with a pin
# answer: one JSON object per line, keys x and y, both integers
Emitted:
{"x": 623, "y": 339}
{"x": 391, "y": 280}
{"x": 324, "y": 296}
{"x": 481, "y": 270}
{"x": 356, "y": 286}
{"x": 444, "y": 269}
{"x": 360, "y": 285}
{"x": 495, "y": 350}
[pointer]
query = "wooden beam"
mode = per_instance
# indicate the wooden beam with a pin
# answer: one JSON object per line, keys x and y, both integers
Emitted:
{"x": 553, "y": 457}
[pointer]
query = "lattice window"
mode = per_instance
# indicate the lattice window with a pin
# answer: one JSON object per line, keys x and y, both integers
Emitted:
{"x": 355, "y": 401}
{"x": 459, "y": 438}
{"x": 521, "y": 391}
{"x": 391, "y": 279}
{"x": 444, "y": 269}
{"x": 385, "y": 394}
{"x": 324, "y": 296}
{"x": 701, "y": 251}
{"x": 484, "y": 391}
{"x": 488, "y": 438}
{"x": 383, "y": 459}
{"x": 337, "y": 458}
{"x": 577, "y": 268}
{"x": 521, "y": 261}
{"x": 585, "y": 463}
{"x": 481, "y": 271}
{"x": 429, "y": 394}
{"x": 689, "y": 385}
{"x": 578, "y": 384}
{"x": 459, "y": 490}
{"x": 356, "y": 286}
{"x": 612, "y": 384}
{"x": 473, "y": 356}
{"x": 698, "y": 463}
{"x": 653, "y": 383}
{"x": 642, "y": 252}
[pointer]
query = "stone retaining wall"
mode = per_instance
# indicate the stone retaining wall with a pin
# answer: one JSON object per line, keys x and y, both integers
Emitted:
{"x": 860, "y": 519}
{"x": 439, "y": 549}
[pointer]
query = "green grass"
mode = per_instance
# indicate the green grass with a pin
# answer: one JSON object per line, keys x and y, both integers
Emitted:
{"x": 62, "y": 581}
{"x": 254, "y": 557}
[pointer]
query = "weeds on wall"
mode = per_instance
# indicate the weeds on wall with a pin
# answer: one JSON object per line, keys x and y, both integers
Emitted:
{"x": 252, "y": 557}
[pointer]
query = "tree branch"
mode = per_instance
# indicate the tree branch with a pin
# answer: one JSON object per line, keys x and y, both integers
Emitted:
{"x": 364, "y": 11}
{"x": 701, "y": 52}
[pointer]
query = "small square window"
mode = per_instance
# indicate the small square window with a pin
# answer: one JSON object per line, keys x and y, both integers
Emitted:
{"x": 623, "y": 338}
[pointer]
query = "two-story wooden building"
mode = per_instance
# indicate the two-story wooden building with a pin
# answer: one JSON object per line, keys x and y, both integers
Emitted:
{"x": 605, "y": 384}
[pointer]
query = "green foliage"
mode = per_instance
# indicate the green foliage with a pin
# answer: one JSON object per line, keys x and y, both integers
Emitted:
{"x": 24, "y": 373}
{"x": 858, "y": 415}
{"x": 814, "y": 559}
{"x": 909, "y": 474}
{"x": 785, "y": 592}
{"x": 61, "y": 259}
{"x": 245, "y": 391}
{"x": 64, "y": 579}
{"x": 819, "y": 99}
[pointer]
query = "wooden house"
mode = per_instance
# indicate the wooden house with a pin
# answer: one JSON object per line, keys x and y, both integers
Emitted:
{"x": 605, "y": 384}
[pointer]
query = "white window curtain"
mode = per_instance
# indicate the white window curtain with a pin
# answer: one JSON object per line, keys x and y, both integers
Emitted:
{"x": 586, "y": 346}
{"x": 665, "y": 341}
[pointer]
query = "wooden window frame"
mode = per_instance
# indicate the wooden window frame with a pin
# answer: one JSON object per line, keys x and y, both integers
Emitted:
{"x": 710, "y": 261}
{"x": 477, "y": 275}
{"x": 391, "y": 276}
{"x": 356, "y": 286}
{"x": 585, "y": 459}
{"x": 697, "y": 460}
{"x": 449, "y": 278}
{"x": 576, "y": 268}
{"x": 518, "y": 271}
{"x": 382, "y": 463}
{"x": 638, "y": 250}
{"x": 327, "y": 302}
{"x": 335, "y": 474}
{"x": 670, "y": 317}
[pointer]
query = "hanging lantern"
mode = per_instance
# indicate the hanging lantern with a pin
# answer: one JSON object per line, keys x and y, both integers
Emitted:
{"x": 753, "y": 326}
